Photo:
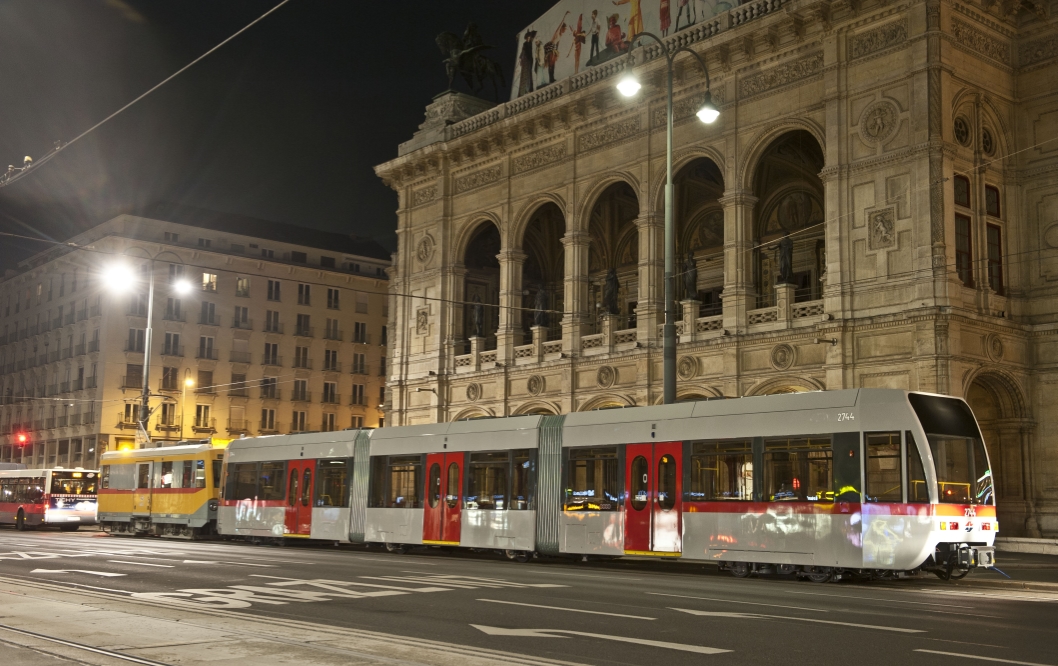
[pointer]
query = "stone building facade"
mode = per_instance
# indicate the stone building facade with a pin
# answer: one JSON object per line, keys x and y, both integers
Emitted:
{"x": 909, "y": 150}
{"x": 283, "y": 331}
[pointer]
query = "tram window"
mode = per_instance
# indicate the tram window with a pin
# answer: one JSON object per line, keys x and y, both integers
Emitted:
{"x": 181, "y": 478}
{"x": 243, "y": 481}
{"x": 984, "y": 491}
{"x": 523, "y": 468}
{"x": 104, "y": 473}
{"x": 293, "y": 488}
{"x": 332, "y": 483}
{"x": 306, "y": 487}
{"x": 593, "y": 481}
{"x": 200, "y": 473}
{"x": 216, "y": 473}
{"x": 952, "y": 456}
{"x": 917, "y": 490}
{"x": 376, "y": 497}
{"x": 798, "y": 469}
{"x": 640, "y": 485}
{"x": 433, "y": 494}
{"x": 487, "y": 481}
{"x": 271, "y": 481}
{"x": 143, "y": 475}
{"x": 405, "y": 480}
{"x": 166, "y": 480}
{"x": 883, "y": 467}
{"x": 452, "y": 488}
{"x": 720, "y": 472}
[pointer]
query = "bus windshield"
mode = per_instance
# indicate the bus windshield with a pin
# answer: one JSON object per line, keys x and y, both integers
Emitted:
{"x": 73, "y": 483}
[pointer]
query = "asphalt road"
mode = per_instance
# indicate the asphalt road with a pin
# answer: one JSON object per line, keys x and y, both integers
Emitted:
{"x": 631, "y": 612}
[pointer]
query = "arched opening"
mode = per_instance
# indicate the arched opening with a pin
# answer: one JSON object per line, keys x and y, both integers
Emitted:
{"x": 699, "y": 220}
{"x": 481, "y": 285}
{"x": 613, "y": 255}
{"x": 543, "y": 272}
{"x": 997, "y": 411}
{"x": 788, "y": 232}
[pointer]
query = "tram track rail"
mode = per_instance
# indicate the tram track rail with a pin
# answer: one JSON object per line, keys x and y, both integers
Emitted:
{"x": 81, "y": 646}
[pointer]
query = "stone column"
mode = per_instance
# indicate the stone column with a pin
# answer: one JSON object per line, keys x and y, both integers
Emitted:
{"x": 609, "y": 325}
{"x": 691, "y": 308}
{"x": 477, "y": 343}
{"x": 738, "y": 258}
{"x": 784, "y": 299}
{"x": 650, "y": 305}
{"x": 539, "y": 338}
{"x": 1032, "y": 523}
{"x": 453, "y": 281}
{"x": 575, "y": 292}
{"x": 509, "y": 333}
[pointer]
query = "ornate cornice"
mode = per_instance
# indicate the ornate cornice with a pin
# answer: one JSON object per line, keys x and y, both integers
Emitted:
{"x": 478, "y": 179}
{"x": 980, "y": 43}
{"x": 539, "y": 158}
{"x": 610, "y": 133}
{"x": 878, "y": 39}
{"x": 777, "y": 77}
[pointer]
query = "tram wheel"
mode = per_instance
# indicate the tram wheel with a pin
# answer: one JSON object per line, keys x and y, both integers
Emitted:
{"x": 519, "y": 556}
{"x": 819, "y": 576}
{"x": 20, "y": 521}
{"x": 397, "y": 548}
{"x": 739, "y": 569}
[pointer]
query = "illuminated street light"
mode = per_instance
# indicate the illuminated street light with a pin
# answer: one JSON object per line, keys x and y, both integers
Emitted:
{"x": 119, "y": 277}
{"x": 182, "y": 286}
{"x": 628, "y": 85}
{"x": 708, "y": 113}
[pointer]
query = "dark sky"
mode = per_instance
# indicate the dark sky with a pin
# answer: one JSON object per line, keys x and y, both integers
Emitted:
{"x": 283, "y": 123}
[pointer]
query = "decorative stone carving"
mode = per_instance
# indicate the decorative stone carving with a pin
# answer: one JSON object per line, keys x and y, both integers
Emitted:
{"x": 782, "y": 356}
{"x": 422, "y": 321}
{"x": 994, "y": 347}
{"x": 881, "y": 225}
{"x": 447, "y": 108}
{"x": 988, "y": 143}
{"x": 1050, "y": 236}
{"x": 961, "y": 128}
{"x": 539, "y": 158}
{"x": 979, "y": 42}
{"x": 606, "y": 376}
{"x": 1038, "y": 50}
{"x": 473, "y": 392}
{"x": 687, "y": 367}
{"x": 609, "y": 134}
{"x": 535, "y": 385}
{"x": 879, "y": 121}
{"x": 781, "y": 75}
{"x": 425, "y": 249}
{"x": 877, "y": 39}
{"x": 423, "y": 195}
{"x": 478, "y": 179}
{"x": 686, "y": 107}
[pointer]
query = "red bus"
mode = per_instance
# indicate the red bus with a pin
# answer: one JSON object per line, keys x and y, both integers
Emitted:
{"x": 65, "y": 498}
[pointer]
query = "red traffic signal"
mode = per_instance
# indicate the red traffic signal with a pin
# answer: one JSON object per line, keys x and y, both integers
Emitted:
{"x": 22, "y": 439}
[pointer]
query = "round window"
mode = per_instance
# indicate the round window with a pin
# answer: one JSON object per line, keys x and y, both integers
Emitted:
{"x": 988, "y": 143}
{"x": 962, "y": 131}
{"x": 640, "y": 487}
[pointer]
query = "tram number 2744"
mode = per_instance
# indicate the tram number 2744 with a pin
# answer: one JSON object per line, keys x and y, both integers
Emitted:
{"x": 846, "y": 416}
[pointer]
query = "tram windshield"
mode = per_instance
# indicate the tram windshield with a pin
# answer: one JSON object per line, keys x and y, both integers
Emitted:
{"x": 73, "y": 483}
{"x": 964, "y": 475}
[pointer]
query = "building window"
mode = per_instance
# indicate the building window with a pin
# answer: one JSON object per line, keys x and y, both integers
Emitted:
{"x": 327, "y": 262}
{"x": 238, "y": 384}
{"x": 299, "y": 257}
{"x": 384, "y": 337}
{"x": 301, "y": 390}
{"x": 298, "y": 424}
{"x": 271, "y": 353}
{"x": 273, "y": 290}
{"x": 205, "y": 348}
{"x": 995, "y": 258}
{"x": 358, "y": 395}
{"x": 176, "y": 272}
{"x": 135, "y": 342}
{"x": 381, "y": 395}
{"x": 202, "y": 418}
{"x": 168, "y": 416}
{"x": 242, "y": 287}
{"x": 992, "y": 200}
{"x": 242, "y": 317}
{"x": 331, "y": 331}
{"x": 268, "y": 254}
{"x": 361, "y": 302}
{"x": 170, "y": 237}
{"x": 304, "y": 327}
{"x": 272, "y": 322}
{"x": 209, "y": 282}
{"x": 172, "y": 345}
{"x": 172, "y": 309}
{"x": 963, "y": 250}
{"x": 332, "y": 299}
{"x": 301, "y": 357}
{"x": 330, "y": 360}
{"x": 268, "y": 419}
{"x": 360, "y": 332}
{"x": 170, "y": 379}
{"x": 237, "y": 249}
{"x": 304, "y": 294}
{"x": 962, "y": 191}
{"x": 268, "y": 388}
{"x": 357, "y": 422}
{"x": 204, "y": 242}
{"x": 209, "y": 313}
{"x": 330, "y": 392}
{"x": 359, "y": 364}
{"x": 328, "y": 423}
{"x": 205, "y": 381}
{"x": 382, "y": 367}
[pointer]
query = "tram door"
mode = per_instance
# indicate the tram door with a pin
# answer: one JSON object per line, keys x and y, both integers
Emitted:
{"x": 300, "y": 479}
{"x": 444, "y": 497}
{"x": 141, "y": 496}
{"x": 654, "y": 479}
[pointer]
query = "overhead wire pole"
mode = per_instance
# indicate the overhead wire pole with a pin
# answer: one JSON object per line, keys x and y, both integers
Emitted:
{"x": 145, "y": 409}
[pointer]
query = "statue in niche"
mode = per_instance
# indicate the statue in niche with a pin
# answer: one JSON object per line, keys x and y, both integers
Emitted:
{"x": 785, "y": 251}
{"x": 609, "y": 292}
{"x": 540, "y": 307}
{"x": 477, "y": 316}
{"x": 690, "y": 277}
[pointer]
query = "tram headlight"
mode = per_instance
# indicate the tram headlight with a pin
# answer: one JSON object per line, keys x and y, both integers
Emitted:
{"x": 212, "y": 505}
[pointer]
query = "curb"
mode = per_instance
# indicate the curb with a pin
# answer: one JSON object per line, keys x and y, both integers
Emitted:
{"x": 1010, "y": 585}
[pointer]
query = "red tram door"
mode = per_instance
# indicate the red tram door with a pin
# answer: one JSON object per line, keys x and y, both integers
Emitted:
{"x": 444, "y": 497}
{"x": 300, "y": 479}
{"x": 654, "y": 501}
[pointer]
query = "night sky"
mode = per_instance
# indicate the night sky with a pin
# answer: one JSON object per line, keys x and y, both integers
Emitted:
{"x": 283, "y": 123}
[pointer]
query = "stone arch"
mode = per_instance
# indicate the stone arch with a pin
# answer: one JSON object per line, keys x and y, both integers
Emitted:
{"x": 999, "y": 405}
{"x": 541, "y": 280}
{"x": 763, "y": 141}
{"x": 473, "y": 412}
{"x": 528, "y": 210}
{"x": 596, "y": 190}
{"x": 608, "y": 400}
{"x": 541, "y": 407}
{"x": 790, "y": 384}
{"x": 482, "y": 282}
{"x": 613, "y": 251}
{"x": 1003, "y": 388}
{"x": 472, "y": 224}
{"x": 1004, "y": 137}
{"x": 692, "y": 394}
{"x": 679, "y": 163}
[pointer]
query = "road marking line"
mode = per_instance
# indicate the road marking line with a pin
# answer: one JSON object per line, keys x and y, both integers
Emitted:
{"x": 748, "y": 603}
{"x": 800, "y": 619}
{"x": 550, "y": 633}
{"x": 974, "y": 656}
{"x": 107, "y": 574}
{"x": 142, "y": 564}
{"x": 571, "y": 610}
{"x": 945, "y": 640}
{"x": 891, "y": 601}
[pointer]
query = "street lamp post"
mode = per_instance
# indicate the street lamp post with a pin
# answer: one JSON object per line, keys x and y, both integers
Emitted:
{"x": 707, "y": 113}
{"x": 183, "y": 399}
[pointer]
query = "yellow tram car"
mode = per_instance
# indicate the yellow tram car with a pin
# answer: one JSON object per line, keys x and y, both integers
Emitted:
{"x": 170, "y": 491}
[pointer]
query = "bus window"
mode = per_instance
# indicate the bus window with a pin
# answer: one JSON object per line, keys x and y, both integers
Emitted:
{"x": 883, "y": 467}
{"x": 73, "y": 483}
{"x": 798, "y": 469}
{"x": 33, "y": 493}
{"x": 331, "y": 483}
{"x": 917, "y": 489}
{"x": 720, "y": 471}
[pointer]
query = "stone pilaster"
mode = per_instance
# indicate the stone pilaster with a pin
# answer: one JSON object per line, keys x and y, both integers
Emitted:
{"x": 738, "y": 258}
{"x": 650, "y": 307}
{"x": 575, "y": 289}
{"x": 509, "y": 333}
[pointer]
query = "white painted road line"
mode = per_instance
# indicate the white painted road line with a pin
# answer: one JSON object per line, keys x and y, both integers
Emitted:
{"x": 799, "y": 619}
{"x": 94, "y": 573}
{"x": 888, "y": 601}
{"x": 729, "y": 601}
{"x": 979, "y": 657}
{"x": 550, "y": 633}
{"x": 142, "y": 564}
{"x": 571, "y": 610}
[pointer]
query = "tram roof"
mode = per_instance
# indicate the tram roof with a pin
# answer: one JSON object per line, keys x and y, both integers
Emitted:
{"x": 331, "y": 444}
{"x": 156, "y": 452}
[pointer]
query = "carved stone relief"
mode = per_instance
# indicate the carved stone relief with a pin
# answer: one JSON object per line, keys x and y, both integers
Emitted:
{"x": 877, "y": 39}
{"x": 535, "y": 385}
{"x": 1038, "y": 50}
{"x": 425, "y": 249}
{"x": 994, "y": 347}
{"x": 879, "y": 121}
{"x": 473, "y": 392}
{"x": 422, "y": 321}
{"x": 979, "y": 42}
{"x": 685, "y": 108}
{"x": 606, "y": 376}
{"x": 687, "y": 367}
{"x": 424, "y": 195}
{"x": 781, "y": 75}
{"x": 881, "y": 225}
{"x": 539, "y": 158}
{"x": 477, "y": 179}
{"x": 609, "y": 134}
{"x": 782, "y": 357}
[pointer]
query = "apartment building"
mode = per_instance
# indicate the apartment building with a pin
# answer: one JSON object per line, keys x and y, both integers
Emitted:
{"x": 257, "y": 328}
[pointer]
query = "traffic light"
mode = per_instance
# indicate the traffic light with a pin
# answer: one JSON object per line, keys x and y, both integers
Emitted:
{"x": 22, "y": 439}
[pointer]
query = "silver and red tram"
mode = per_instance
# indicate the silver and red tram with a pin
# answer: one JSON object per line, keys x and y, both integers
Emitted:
{"x": 867, "y": 480}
